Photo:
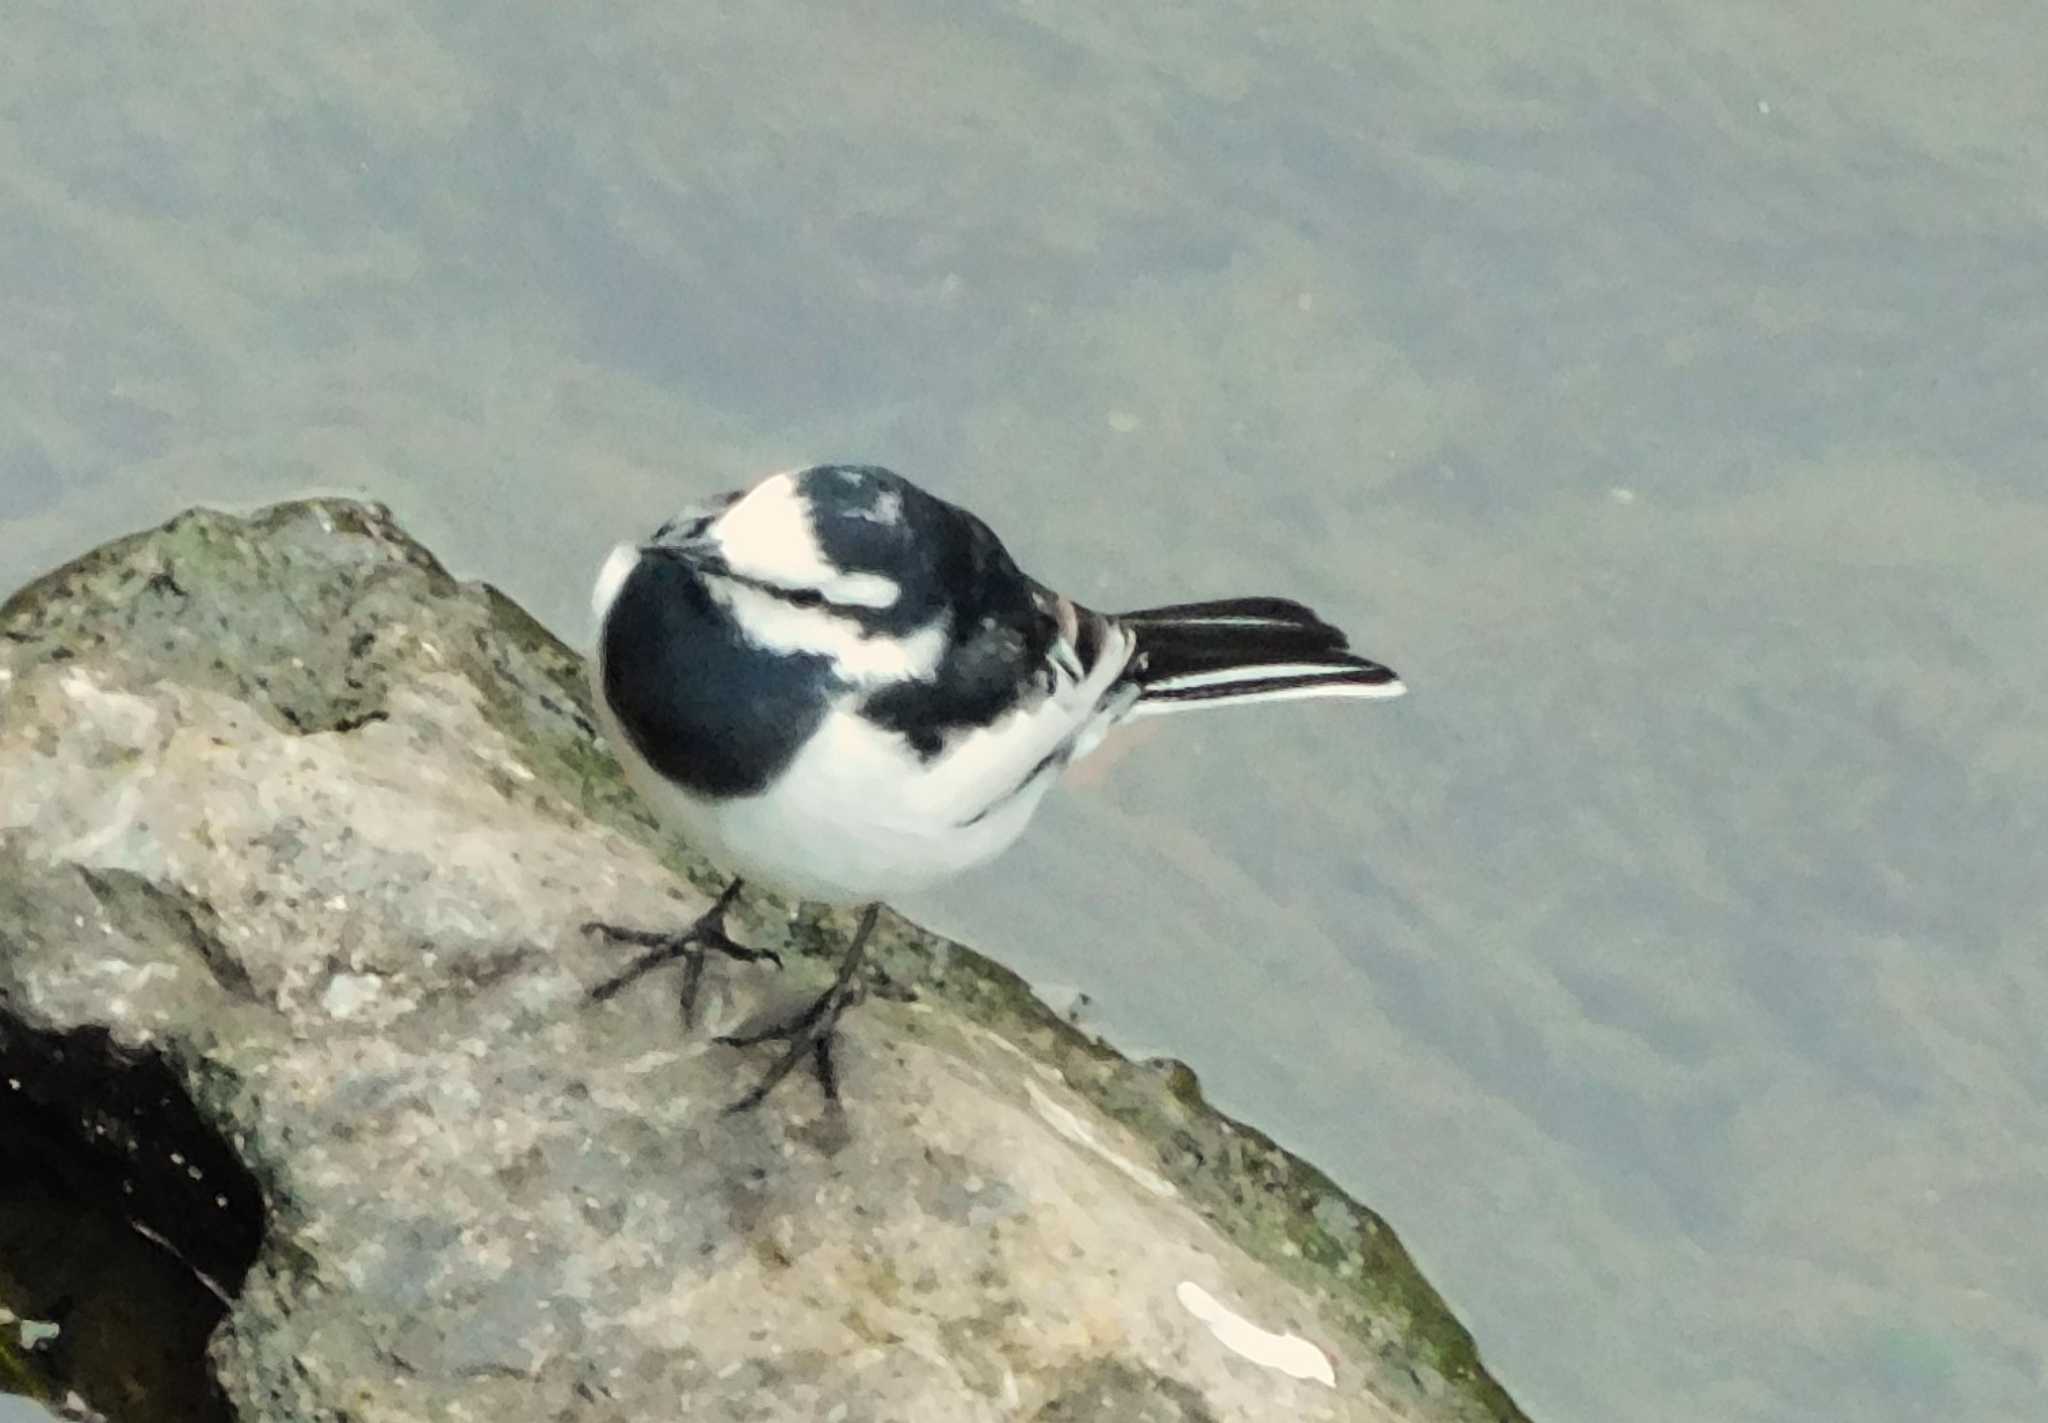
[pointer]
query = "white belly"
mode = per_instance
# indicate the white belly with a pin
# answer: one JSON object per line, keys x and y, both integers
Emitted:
{"x": 858, "y": 816}
{"x": 854, "y": 818}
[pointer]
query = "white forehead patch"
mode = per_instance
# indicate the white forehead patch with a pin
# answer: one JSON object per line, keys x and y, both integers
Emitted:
{"x": 767, "y": 538}
{"x": 767, "y": 535}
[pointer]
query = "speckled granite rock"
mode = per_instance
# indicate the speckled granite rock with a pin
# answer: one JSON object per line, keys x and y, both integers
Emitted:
{"x": 301, "y": 824}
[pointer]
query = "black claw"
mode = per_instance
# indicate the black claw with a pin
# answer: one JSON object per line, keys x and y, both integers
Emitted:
{"x": 788, "y": 1032}
{"x": 828, "y": 1075}
{"x": 693, "y": 974}
{"x": 691, "y": 945}
{"x": 810, "y": 1033}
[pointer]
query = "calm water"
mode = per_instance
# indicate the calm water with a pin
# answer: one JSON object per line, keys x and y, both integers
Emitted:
{"x": 1658, "y": 387}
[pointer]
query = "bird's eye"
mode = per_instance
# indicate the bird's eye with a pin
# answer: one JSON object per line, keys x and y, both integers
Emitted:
{"x": 806, "y": 597}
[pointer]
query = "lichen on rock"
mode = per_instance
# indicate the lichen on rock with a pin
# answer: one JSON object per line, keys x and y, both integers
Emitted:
{"x": 289, "y": 811}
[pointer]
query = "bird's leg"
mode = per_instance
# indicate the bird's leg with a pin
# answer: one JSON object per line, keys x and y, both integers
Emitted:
{"x": 705, "y": 935}
{"x": 810, "y": 1033}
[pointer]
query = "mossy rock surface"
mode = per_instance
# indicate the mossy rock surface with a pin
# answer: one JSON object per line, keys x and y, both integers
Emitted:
{"x": 291, "y": 811}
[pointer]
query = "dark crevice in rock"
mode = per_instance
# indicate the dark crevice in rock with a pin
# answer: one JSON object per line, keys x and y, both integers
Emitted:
{"x": 1116, "y": 1388}
{"x": 356, "y": 723}
{"x": 124, "y": 1219}
{"x": 131, "y": 899}
{"x": 165, "y": 580}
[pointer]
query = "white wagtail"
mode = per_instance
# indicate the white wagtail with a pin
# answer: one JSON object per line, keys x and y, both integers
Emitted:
{"x": 841, "y": 687}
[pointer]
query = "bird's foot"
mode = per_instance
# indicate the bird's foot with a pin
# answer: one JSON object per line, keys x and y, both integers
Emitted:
{"x": 809, "y": 1035}
{"x": 705, "y": 935}
{"x": 811, "y": 1032}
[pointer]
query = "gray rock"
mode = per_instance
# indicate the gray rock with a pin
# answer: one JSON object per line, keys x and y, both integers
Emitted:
{"x": 305, "y": 826}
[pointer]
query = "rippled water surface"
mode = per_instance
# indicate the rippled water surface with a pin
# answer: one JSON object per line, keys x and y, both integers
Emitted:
{"x": 1658, "y": 387}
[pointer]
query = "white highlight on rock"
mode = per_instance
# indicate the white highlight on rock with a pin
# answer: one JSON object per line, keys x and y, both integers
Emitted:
{"x": 349, "y": 993}
{"x": 650, "y": 1061}
{"x": 1289, "y": 1353}
{"x": 1077, "y": 1131}
{"x": 91, "y": 845}
{"x": 996, "y": 1039}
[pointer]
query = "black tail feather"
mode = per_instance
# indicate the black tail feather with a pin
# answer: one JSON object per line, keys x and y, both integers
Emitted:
{"x": 1236, "y": 611}
{"x": 1242, "y": 649}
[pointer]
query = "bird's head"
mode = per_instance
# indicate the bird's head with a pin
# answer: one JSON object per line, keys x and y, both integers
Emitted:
{"x": 845, "y": 561}
{"x": 797, "y": 537}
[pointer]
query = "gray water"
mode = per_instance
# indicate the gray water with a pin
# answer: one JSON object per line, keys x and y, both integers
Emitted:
{"x": 1658, "y": 387}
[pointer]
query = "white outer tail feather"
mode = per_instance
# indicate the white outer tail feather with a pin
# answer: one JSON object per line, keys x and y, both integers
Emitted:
{"x": 1240, "y": 650}
{"x": 1376, "y": 693}
{"x": 1251, "y": 676}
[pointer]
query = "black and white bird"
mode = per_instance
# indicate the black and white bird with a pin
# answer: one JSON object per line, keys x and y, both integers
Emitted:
{"x": 842, "y": 688}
